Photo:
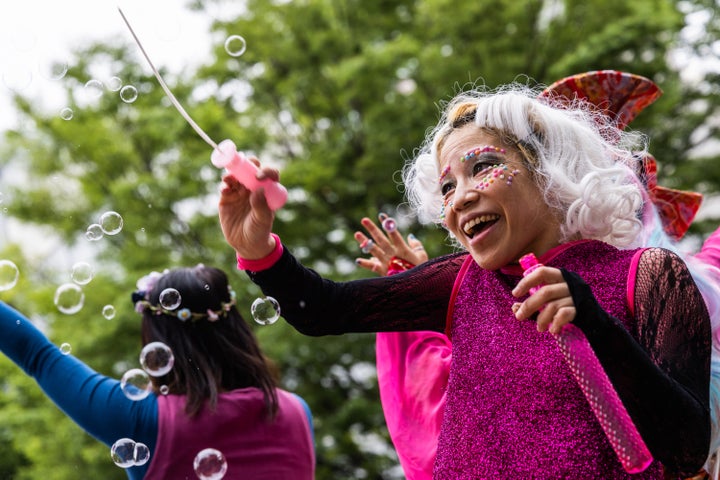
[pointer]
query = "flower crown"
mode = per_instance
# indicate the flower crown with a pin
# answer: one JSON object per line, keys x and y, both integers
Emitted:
{"x": 147, "y": 283}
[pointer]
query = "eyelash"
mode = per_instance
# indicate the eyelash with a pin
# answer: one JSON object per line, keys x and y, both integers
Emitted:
{"x": 477, "y": 169}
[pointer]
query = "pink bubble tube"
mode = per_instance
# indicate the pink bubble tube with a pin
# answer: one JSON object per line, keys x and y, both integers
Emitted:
{"x": 226, "y": 156}
{"x": 601, "y": 395}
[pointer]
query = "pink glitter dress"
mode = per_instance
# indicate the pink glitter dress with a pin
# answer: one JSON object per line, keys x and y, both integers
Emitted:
{"x": 513, "y": 409}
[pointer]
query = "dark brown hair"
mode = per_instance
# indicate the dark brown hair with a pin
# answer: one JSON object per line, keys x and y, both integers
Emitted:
{"x": 210, "y": 356}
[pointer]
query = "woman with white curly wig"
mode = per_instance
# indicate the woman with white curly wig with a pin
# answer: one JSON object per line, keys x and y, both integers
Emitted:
{"x": 509, "y": 173}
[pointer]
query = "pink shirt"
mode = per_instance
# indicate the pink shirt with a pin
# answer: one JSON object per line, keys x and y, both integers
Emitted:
{"x": 254, "y": 447}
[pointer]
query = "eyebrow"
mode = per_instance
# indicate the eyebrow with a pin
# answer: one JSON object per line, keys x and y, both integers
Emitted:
{"x": 470, "y": 154}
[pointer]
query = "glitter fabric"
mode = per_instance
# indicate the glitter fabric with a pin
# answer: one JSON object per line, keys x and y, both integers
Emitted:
{"x": 514, "y": 408}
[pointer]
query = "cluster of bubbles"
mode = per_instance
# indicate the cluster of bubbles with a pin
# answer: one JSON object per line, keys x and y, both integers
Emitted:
{"x": 128, "y": 453}
{"x": 156, "y": 359}
{"x": 95, "y": 88}
{"x": 109, "y": 223}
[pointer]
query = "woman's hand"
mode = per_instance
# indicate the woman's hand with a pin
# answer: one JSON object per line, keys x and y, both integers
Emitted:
{"x": 387, "y": 243}
{"x": 552, "y": 300}
{"x": 245, "y": 218}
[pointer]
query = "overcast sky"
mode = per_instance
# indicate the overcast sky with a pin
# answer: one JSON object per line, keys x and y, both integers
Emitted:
{"x": 35, "y": 32}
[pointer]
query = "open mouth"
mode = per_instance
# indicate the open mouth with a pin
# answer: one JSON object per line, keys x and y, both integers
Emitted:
{"x": 478, "y": 224}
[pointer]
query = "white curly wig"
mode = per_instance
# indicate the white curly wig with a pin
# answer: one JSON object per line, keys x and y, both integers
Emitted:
{"x": 583, "y": 164}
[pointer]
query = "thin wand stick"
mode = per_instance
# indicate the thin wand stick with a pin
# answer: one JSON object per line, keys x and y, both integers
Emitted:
{"x": 164, "y": 86}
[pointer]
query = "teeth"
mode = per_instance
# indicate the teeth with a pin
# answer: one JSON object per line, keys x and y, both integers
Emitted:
{"x": 468, "y": 227}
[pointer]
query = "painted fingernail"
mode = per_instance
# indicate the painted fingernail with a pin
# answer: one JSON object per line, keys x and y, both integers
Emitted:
{"x": 412, "y": 237}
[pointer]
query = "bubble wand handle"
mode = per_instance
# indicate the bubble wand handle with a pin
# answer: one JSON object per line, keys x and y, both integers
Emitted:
{"x": 224, "y": 155}
{"x": 599, "y": 391}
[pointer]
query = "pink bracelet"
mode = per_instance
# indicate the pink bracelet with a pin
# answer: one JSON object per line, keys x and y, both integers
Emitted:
{"x": 262, "y": 263}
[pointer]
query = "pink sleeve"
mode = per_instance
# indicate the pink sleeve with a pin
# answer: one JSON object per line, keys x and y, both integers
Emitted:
{"x": 710, "y": 251}
{"x": 413, "y": 369}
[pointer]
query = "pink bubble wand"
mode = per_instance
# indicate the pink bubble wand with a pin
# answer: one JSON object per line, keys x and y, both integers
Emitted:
{"x": 599, "y": 391}
{"x": 224, "y": 155}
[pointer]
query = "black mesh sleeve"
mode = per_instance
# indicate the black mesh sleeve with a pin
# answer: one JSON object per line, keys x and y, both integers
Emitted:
{"x": 661, "y": 371}
{"x": 413, "y": 300}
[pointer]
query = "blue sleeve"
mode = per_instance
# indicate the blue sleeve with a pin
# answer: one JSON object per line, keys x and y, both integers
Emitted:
{"x": 93, "y": 401}
{"x": 306, "y": 407}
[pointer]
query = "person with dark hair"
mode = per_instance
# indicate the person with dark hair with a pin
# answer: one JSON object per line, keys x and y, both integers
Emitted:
{"x": 215, "y": 390}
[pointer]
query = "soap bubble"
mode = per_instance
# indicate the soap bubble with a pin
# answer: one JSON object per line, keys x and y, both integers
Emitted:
{"x": 210, "y": 464}
{"x": 54, "y": 70}
{"x": 94, "y": 232}
{"x": 111, "y": 223}
{"x": 136, "y": 384}
{"x": 114, "y": 84}
{"x": 123, "y": 453}
{"x": 66, "y": 113}
{"x": 18, "y": 78}
{"x": 164, "y": 389}
{"x": 69, "y": 298}
{"x": 235, "y": 45}
{"x": 127, "y": 453}
{"x": 157, "y": 359}
{"x": 9, "y": 274}
{"x": 108, "y": 312}
{"x": 65, "y": 348}
{"x": 128, "y": 94}
{"x": 170, "y": 299}
{"x": 82, "y": 273}
{"x": 94, "y": 88}
{"x": 141, "y": 454}
{"x": 265, "y": 310}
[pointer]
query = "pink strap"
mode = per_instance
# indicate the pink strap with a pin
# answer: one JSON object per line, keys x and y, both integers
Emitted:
{"x": 262, "y": 263}
{"x": 453, "y": 296}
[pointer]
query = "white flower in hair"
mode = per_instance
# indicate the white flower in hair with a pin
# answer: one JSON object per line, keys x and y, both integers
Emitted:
{"x": 147, "y": 283}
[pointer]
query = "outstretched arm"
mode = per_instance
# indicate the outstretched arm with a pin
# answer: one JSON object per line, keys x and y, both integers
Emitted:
{"x": 93, "y": 401}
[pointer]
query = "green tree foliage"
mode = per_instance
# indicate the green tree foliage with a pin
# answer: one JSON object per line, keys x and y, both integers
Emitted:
{"x": 337, "y": 94}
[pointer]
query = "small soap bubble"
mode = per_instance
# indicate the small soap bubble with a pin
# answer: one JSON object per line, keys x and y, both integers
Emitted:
{"x": 128, "y": 94}
{"x": 54, "y": 70}
{"x": 114, "y": 84}
{"x": 108, "y": 312}
{"x": 9, "y": 275}
{"x": 141, "y": 454}
{"x": 157, "y": 359}
{"x": 111, "y": 223}
{"x": 136, "y": 384}
{"x": 65, "y": 348}
{"x": 170, "y": 299}
{"x": 122, "y": 453}
{"x": 67, "y": 113}
{"x": 164, "y": 389}
{"x": 94, "y": 88}
{"x": 265, "y": 310}
{"x": 94, "y": 232}
{"x": 69, "y": 298}
{"x": 235, "y": 45}
{"x": 18, "y": 78}
{"x": 82, "y": 273}
{"x": 210, "y": 464}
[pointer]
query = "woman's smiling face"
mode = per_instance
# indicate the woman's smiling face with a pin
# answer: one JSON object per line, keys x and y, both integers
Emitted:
{"x": 490, "y": 202}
